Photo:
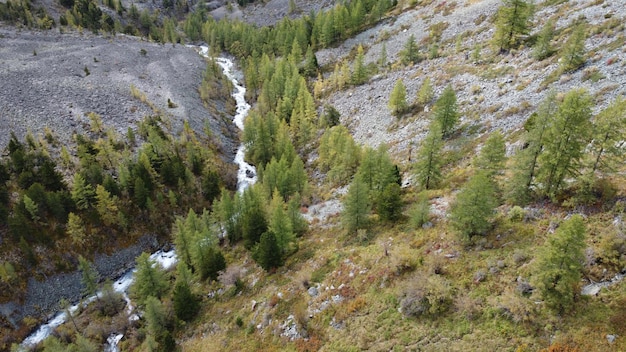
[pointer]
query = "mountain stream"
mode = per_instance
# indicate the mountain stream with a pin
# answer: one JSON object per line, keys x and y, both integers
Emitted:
{"x": 246, "y": 176}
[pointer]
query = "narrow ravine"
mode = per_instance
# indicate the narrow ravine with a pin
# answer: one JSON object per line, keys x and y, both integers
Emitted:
{"x": 246, "y": 176}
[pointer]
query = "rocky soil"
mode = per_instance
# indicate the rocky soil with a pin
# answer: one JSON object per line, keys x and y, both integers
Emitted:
{"x": 496, "y": 94}
{"x": 52, "y": 80}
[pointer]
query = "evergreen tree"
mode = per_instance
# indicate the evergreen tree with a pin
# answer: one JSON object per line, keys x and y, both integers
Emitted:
{"x": 513, "y": 20}
{"x": 76, "y": 229}
{"x": 543, "y": 47}
{"x": 410, "y": 53}
{"x": 299, "y": 224}
{"x": 573, "y": 52}
{"x": 253, "y": 219}
{"x": 566, "y": 139}
{"x": 89, "y": 278}
{"x": 607, "y": 146}
{"x": 359, "y": 72}
{"x": 155, "y": 317}
{"x": 356, "y": 206}
{"x": 331, "y": 116}
{"x": 559, "y": 265}
{"x": 106, "y": 205}
{"x": 473, "y": 209}
{"x": 267, "y": 252}
{"x": 150, "y": 280}
{"x": 377, "y": 170}
{"x": 209, "y": 261}
{"x": 397, "y": 99}
{"x": 429, "y": 158}
{"x": 310, "y": 63}
{"x": 426, "y": 93}
{"x": 492, "y": 155}
{"x": 186, "y": 304}
{"x": 525, "y": 162}
{"x": 446, "y": 113}
{"x": 389, "y": 204}
{"x": 280, "y": 224}
{"x": 339, "y": 155}
{"x": 82, "y": 192}
{"x": 420, "y": 210}
{"x": 227, "y": 210}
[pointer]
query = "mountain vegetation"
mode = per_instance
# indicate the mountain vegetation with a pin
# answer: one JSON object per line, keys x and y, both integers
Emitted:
{"x": 482, "y": 239}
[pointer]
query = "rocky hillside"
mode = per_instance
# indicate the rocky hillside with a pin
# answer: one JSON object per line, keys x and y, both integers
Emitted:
{"x": 53, "y": 81}
{"x": 494, "y": 91}
{"x": 419, "y": 280}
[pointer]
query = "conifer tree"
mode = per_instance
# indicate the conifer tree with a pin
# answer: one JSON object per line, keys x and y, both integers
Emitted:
{"x": 473, "y": 209}
{"x": 280, "y": 224}
{"x": 573, "y": 52}
{"x": 446, "y": 113}
{"x": 356, "y": 206}
{"x": 209, "y": 260}
{"x": 183, "y": 238}
{"x": 185, "y": 302}
{"x": 376, "y": 169}
{"x": 397, "y": 99}
{"x": 299, "y": 224}
{"x": 268, "y": 253}
{"x": 543, "y": 47}
{"x": 389, "y": 203}
{"x": 359, "y": 72}
{"x": 492, "y": 155}
{"x": 607, "y": 146}
{"x": 106, "y": 205}
{"x": 89, "y": 278}
{"x": 76, "y": 229}
{"x": 150, "y": 279}
{"x": 82, "y": 192}
{"x": 566, "y": 138}
{"x": 310, "y": 63}
{"x": 155, "y": 317}
{"x": 419, "y": 213}
{"x": 253, "y": 218}
{"x": 559, "y": 265}
{"x": 429, "y": 160}
{"x": 513, "y": 20}
{"x": 410, "y": 53}
{"x": 426, "y": 93}
{"x": 525, "y": 162}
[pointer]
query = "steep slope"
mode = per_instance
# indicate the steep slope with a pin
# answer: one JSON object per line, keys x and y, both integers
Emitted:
{"x": 54, "y": 81}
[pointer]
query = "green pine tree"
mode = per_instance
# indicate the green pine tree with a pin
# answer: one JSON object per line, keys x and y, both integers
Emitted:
{"x": 492, "y": 155}
{"x": 397, "y": 100}
{"x": 359, "y": 71}
{"x": 559, "y": 265}
{"x": 472, "y": 212}
{"x": 268, "y": 253}
{"x": 429, "y": 158}
{"x": 389, "y": 203}
{"x": 410, "y": 53}
{"x": 426, "y": 93}
{"x": 445, "y": 111}
{"x": 356, "y": 207}
{"x": 525, "y": 162}
{"x": 82, "y": 192}
{"x": 513, "y": 20}
{"x": 566, "y": 138}
{"x": 150, "y": 280}
{"x": 573, "y": 52}
{"x": 543, "y": 47}
{"x": 89, "y": 278}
